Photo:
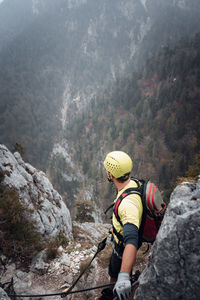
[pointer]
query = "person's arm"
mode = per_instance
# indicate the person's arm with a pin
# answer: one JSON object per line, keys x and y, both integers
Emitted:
{"x": 122, "y": 287}
{"x": 128, "y": 258}
{"x": 131, "y": 244}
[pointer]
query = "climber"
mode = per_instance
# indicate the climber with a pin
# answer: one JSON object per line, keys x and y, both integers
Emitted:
{"x": 118, "y": 167}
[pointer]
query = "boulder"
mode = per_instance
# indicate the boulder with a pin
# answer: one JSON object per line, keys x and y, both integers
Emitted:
{"x": 173, "y": 267}
{"x": 7, "y": 275}
{"x": 22, "y": 282}
{"x": 36, "y": 193}
{"x": 3, "y": 295}
{"x": 39, "y": 264}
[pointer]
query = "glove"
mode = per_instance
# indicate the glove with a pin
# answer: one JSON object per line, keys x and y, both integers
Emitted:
{"x": 122, "y": 287}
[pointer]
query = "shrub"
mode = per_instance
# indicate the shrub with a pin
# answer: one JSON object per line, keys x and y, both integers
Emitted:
{"x": 62, "y": 240}
{"x": 84, "y": 212}
{"x": 53, "y": 244}
{"x": 20, "y": 240}
{"x": 194, "y": 169}
{"x": 19, "y": 148}
{"x": 51, "y": 252}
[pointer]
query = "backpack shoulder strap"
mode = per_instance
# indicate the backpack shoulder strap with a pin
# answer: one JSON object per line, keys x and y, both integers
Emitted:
{"x": 121, "y": 197}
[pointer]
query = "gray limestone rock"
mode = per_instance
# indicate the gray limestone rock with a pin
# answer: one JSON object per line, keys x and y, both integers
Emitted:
{"x": 3, "y": 295}
{"x": 173, "y": 267}
{"x": 22, "y": 281}
{"x": 48, "y": 211}
{"x": 39, "y": 264}
{"x": 8, "y": 274}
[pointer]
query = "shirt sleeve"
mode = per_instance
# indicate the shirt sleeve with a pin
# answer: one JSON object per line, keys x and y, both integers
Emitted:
{"x": 131, "y": 234}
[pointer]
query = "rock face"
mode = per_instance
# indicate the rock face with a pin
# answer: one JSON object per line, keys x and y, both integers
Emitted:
{"x": 173, "y": 267}
{"x": 68, "y": 176}
{"x": 3, "y": 295}
{"x": 48, "y": 211}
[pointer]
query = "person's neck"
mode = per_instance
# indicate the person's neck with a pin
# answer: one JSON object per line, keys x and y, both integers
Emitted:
{"x": 121, "y": 185}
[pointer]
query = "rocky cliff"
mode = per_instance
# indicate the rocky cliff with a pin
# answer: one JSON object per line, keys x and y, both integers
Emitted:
{"x": 173, "y": 267}
{"x": 65, "y": 53}
{"x": 44, "y": 205}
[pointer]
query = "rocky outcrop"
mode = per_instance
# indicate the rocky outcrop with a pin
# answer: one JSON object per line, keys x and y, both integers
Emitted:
{"x": 3, "y": 295}
{"x": 53, "y": 276}
{"x": 68, "y": 176}
{"x": 36, "y": 193}
{"x": 173, "y": 267}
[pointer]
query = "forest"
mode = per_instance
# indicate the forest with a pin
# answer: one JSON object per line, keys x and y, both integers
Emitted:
{"x": 153, "y": 114}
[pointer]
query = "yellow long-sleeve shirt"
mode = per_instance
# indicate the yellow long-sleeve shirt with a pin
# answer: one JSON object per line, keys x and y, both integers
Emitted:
{"x": 130, "y": 210}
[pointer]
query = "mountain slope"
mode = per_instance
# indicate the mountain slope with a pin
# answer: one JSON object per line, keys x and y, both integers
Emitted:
{"x": 15, "y": 16}
{"x": 153, "y": 115}
{"x": 53, "y": 64}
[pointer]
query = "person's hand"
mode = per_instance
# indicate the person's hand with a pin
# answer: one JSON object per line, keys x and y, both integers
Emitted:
{"x": 122, "y": 287}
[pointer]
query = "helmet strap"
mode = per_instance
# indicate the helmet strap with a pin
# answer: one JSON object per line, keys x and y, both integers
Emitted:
{"x": 109, "y": 177}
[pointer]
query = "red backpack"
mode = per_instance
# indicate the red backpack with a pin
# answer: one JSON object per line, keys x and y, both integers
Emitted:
{"x": 153, "y": 209}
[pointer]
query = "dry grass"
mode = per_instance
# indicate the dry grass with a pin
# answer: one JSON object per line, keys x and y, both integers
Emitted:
{"x": 185, "y": 179}
{"x": 84, "y": 266}
{"x": 104, "y": 256}
{"x": 80, "y": 236}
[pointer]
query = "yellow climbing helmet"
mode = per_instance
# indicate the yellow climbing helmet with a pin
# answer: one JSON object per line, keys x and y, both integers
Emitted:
{"x": 118, "y": 163}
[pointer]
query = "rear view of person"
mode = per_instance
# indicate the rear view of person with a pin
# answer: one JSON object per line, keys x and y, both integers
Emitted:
{"x": 118, "y": 166}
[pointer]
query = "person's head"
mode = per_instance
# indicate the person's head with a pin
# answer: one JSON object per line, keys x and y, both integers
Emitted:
{"x": 119, "y": 165}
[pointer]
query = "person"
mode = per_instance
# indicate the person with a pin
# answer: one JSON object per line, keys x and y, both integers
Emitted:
{"x": 118, "y": 166}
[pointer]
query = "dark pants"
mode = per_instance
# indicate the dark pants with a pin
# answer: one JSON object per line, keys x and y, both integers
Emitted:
{"x": 115, "y": 261}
